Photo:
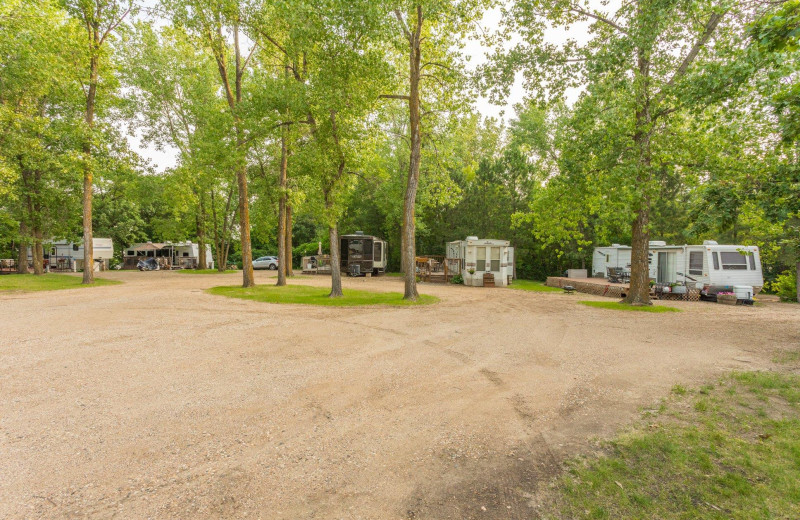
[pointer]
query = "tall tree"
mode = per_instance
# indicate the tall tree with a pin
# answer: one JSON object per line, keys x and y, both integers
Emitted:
{"x": 37, "y": 130}
{"x": 648, "y": 49}
{"x": 215, "y": 24}
{"x": 335, "y": 65}
{"x": 100, "y": 18}
{"x": 178, "y": 105}
{"x": 435, "y": 29}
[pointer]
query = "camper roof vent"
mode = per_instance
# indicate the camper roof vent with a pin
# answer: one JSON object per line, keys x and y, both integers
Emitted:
{"x": 472, "y": 238}
{"x": 358, "y": 233}
{"x": 710, "y": 243}
{"x": 657, "y": 243}
{"x": 616, "y": 245}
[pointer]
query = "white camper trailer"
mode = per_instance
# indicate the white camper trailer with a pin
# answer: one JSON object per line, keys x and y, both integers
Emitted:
{"x": 68, "y": 256}
{"x": 615, "y": 256}
{"x": 483, "y": 259}
{"x": 177, "y": 255}
{"x": 710, "y": 267}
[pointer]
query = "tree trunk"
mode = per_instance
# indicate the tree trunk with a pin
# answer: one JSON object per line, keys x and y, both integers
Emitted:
{"x": 220, "y": 240}
{"x": 88, "y": 167}
{"x": 38, "y": 232}
{"x": 797, "y": 272}
{"x": 336, "y": 271}
{"x": 639, "y": 291}
{"x": 244, "y": 223}
{"x": 37, "y": 252}
{"x": 289, "y": 259}
{"x": 31, "y": 181}
{"x": 409, "y": 249}
{"x": 22, "y": 252}
{"x": 202, "y": 260}
{"x": 282, "y": 212}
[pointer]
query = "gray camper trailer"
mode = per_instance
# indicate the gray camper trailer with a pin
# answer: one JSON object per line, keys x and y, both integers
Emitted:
{"x": 362, "y": 254}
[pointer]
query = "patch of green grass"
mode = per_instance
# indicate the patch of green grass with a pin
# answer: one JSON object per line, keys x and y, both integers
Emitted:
{"x": 532, "y": 285}
{"x": 617, "y": 306}
{"x": 207, "y": 271}
{"x": 714, "y": 453}
{"x": 396, "y": 275}
{"x": 679, "y": 390}
{"x": 307, "y": 295}
{"x": 787, "y": 357}
{"x": 47, "y": 282}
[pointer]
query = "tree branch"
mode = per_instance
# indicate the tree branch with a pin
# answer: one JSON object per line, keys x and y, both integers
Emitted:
{"x": 599, "y": 18}
{"x": 403, "y": 25}
{"x": 394, "y": 96}
{"x": 114, "y": 25}
{"x": 709, "y": 29}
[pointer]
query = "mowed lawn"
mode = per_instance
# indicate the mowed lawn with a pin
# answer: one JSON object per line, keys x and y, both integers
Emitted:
{"x": 207, "y": 271}
{"x": 726, "y": 450}
{"x": 618, "y": 306}
{"x": 307, "y": 295}
{"x": 47, "y": 282}
{"x": 534, "y": 286}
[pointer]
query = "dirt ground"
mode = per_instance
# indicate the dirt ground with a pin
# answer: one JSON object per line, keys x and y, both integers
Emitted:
{"x": 152, "y": 399}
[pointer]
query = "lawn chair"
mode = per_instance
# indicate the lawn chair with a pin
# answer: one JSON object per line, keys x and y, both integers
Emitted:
{"x": 616, "y": 274}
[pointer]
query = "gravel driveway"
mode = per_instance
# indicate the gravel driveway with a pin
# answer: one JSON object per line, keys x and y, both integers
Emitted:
{"x": 152, "y": 399}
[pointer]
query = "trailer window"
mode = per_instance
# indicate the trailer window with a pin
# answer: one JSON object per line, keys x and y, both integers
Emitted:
{"x": 733, "y": 260}
{"x": 481, "y": 259}
{"x": 696, "y": 262}
{"x": 355, "y": 248}
{"x": 752, "y": 261}
{"x": 377, "y": 252}
{"x": 495, "y": 259}
{"x": 716, "y": 261}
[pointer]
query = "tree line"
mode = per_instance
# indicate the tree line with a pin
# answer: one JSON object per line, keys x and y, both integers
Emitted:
{"x": 293, "y": 121}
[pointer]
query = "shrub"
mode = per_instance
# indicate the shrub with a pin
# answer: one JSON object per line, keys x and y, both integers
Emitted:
{"x": 457, "y": 279}
{"x": 785, "y": 286}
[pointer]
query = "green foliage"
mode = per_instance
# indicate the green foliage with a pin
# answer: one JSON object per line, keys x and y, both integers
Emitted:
{"x": 206, "y": 271}
{"x": 457, "y": 280}
{"x": 618, "y": 306}
{"x": 559, "y": 179}
{"x": 46, "y": 282}
{"x": 785, "y": 286}
{"x": 729, "y": 450}
{"x": 306, "y": 295}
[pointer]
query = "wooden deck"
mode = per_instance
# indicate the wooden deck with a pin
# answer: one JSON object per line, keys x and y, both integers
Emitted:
{"x": 602, "y": 287}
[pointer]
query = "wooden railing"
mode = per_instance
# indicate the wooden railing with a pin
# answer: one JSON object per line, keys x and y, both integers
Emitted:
{"x": 437, "y": 268}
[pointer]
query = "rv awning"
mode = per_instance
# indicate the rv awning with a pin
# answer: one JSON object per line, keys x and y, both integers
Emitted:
{"x": 146, "y": 247}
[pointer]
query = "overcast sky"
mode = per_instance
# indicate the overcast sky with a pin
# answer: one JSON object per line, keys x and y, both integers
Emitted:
{"x": 163, "y": 159}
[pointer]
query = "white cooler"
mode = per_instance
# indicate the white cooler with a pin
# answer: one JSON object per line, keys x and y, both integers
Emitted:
{"x": 743, "y": 292}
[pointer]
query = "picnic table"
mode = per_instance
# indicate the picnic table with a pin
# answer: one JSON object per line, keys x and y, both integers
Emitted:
{"x": 618, "y": 275}
{"x": 8, "y": 265}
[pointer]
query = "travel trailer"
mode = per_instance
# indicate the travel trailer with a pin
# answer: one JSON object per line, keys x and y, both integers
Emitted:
{"x": 169, "y": 255}
{"x": 362, "y": 255}
{"x": 711, "y": 267}
{"x": 483, "y": 261}
{"x": 68, "y": 256}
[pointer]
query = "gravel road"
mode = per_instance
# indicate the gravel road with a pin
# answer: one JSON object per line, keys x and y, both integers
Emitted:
{"x": 152, "y": 399}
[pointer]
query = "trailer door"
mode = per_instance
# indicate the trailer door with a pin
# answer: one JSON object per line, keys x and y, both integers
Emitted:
{"x": 666, "y": 267}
